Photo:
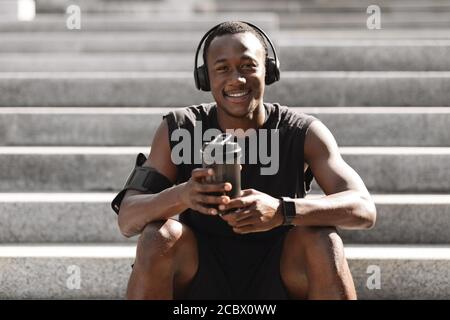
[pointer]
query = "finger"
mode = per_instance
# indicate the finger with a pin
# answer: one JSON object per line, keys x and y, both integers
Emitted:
{"x": 229, "y": 217}
{"x": 238, "y": 203}
{"x": 205, "y": 210}
{"x": 235, "y": 212}
{"x": 246, "y": 229}
{"x": 200, "y": 173}
{"x": 213, "y": 187}
{"x": 212, "y": 199}
{"x": 233, "y": 204}
{"x": 247, "y": 192}
{"x": 246, "y": 222}
{"x": 244, "y": 214}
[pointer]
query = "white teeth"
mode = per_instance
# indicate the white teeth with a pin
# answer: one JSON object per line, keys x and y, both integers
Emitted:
{"x": 238, "y": 94}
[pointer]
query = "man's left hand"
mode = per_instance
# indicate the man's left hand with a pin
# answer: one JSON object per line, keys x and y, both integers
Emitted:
{"x": 255, "y": 212}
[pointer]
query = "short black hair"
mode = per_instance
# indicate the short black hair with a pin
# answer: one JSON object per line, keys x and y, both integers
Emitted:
{"x": 232, "y": 27}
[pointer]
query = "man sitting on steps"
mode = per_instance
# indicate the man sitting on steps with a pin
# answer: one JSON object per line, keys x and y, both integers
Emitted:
{"x": 259, "y": 251}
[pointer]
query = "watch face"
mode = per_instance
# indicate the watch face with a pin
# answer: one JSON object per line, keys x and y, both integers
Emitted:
{"x": 290, "y": 210}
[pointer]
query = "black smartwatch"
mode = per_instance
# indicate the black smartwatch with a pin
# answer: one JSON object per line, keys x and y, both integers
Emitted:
{"x": 288, "y": 210}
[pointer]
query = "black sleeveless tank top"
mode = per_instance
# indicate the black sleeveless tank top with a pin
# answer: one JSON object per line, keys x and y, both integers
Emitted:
{"x": 290, "y": 180}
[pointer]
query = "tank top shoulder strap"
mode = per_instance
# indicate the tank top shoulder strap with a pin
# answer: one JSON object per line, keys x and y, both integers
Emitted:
{"x": 306, "y": 177}
{"x": 298, "y": 123}
{"x": 186, "y": 118}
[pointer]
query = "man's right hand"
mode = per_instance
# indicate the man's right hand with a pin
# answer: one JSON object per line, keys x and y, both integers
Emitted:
{"x": 195, "y": 193}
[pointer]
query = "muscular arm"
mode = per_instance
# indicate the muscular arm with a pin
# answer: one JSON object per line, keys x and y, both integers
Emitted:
{"x": 137, "y": 209}
{"x": 347, "y": 203}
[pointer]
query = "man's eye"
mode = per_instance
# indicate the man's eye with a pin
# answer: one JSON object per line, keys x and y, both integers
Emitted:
{"x": 248, "y": 66}
{"x": 222, "y": 69}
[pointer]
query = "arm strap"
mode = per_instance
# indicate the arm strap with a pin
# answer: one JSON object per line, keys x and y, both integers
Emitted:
{"x": 143, "y": 179}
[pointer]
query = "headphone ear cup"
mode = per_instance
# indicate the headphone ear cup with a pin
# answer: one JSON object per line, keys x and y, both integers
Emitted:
{"x": 272, "y": 71}
{"x": 202, "y": 78}
{"x": 196, "y": 78}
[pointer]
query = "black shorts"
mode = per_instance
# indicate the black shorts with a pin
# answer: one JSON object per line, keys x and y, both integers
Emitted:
{"x": 236, "y": 268}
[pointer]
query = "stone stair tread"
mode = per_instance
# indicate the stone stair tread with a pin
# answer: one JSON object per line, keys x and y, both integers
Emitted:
{"x": 88, "y": 217}
{"x": 43, "y": 271}
{"x": 152, "y": 89}
{"x": 384, "y": 169}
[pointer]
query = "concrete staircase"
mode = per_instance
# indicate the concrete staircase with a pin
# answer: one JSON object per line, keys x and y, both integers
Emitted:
{"x": 77, "y": 106}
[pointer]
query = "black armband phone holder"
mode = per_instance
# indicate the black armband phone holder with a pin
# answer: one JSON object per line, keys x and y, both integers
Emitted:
{"x": 144, "y": 179}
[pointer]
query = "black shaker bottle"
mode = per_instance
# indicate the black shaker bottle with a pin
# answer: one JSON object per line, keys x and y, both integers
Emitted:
{"x": 223, "y": 156}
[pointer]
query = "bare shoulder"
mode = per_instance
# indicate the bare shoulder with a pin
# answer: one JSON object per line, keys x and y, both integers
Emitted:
{"x": 159, "y": 158}
{"x": 319, "y": 142}
{"x": 160, "y": 153}
{"x": 330, "y": 170}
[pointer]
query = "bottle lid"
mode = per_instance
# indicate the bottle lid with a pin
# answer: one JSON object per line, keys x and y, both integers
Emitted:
{"x": 222, "y": 149}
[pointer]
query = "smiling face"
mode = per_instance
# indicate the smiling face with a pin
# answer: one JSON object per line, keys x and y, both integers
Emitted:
{"x": 236, "y": 68}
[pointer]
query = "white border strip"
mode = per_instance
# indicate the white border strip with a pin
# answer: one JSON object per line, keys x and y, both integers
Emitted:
{"x": 399, "y": 151}
{"x": 75, "y": 150}
{"x": 57, "y": 197}
{"x": 68, "y": 251}
{"x": 353, "y": 252}
{"x": 397, "y": 252}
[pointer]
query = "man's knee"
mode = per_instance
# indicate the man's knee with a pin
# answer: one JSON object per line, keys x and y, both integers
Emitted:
{"x": 158, "y": 242}
{"x": 317, "y": 239}
{"x": 320, "y": 250}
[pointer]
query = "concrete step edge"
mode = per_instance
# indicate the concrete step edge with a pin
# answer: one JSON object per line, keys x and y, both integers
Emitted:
{"x": 183, "y": 74}
{"x": 119, "y": 150}
{"x": 158, "y": 111}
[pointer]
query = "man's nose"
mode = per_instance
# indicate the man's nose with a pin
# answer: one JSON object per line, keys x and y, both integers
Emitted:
{"x": 237, "y": 77}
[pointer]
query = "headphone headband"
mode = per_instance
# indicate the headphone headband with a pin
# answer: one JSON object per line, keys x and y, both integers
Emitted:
{"x": 201, "y": 73}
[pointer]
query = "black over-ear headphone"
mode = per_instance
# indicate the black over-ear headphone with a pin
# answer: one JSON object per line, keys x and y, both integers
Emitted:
{"x": 272, "y": 64}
